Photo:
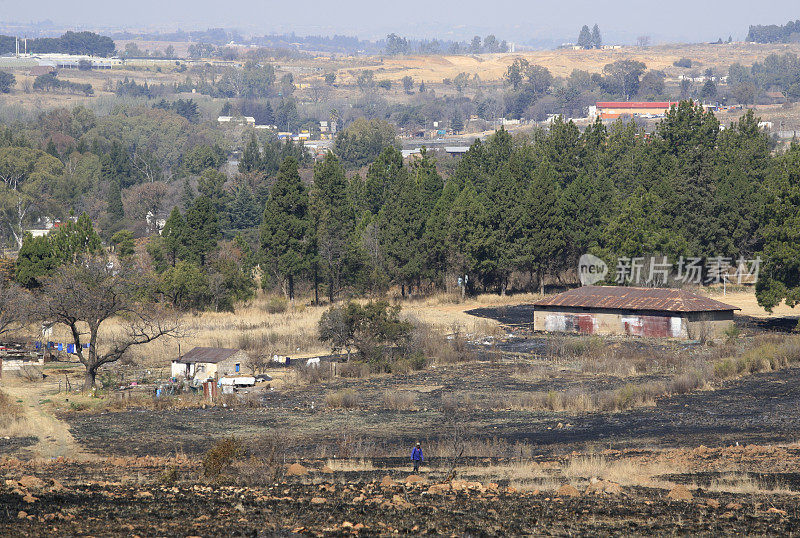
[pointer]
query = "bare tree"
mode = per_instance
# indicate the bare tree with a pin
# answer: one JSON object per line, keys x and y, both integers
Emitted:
{"x": 257, "y": 360}
{"x": 86, "y": 295}
{"x": 15, "y": 305}
{"x": 643, "y": 41}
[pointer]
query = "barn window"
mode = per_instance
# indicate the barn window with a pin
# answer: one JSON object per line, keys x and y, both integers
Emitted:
{"x": 237, "y": 367}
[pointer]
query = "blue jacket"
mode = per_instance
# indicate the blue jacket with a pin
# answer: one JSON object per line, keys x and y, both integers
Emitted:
{"x": 416, "y": 454}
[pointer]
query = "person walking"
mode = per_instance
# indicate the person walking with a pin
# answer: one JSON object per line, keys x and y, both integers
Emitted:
{"x": 417, "y": 457}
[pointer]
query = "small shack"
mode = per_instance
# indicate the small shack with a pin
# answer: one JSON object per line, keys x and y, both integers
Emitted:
{"x": 209, "y": 363}
{"x": 649, "y": 312}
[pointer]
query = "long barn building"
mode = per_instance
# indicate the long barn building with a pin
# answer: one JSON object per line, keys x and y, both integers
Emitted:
{"x": 649, "y": 312}
{"x": 615, "y": 109}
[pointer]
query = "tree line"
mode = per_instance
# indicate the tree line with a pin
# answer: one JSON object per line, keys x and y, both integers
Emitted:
{"x": 512, "y": 214}
{"x": 773, "y": 33}
{"x": 83, "y": 43}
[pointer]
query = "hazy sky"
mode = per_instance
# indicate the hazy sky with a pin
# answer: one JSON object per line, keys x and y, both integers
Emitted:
{"x": 520, "y": 20}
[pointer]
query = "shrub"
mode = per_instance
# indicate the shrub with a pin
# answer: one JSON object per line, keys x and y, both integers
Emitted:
{"x": 313, "y": 374}
{"x": 399, "y": 400}
{"x": 276, "y": 305}
{"x": 10, "y": 411}
{"x": 169, "y": 476}
{"x": 221, "y": 456}
{"x": 683, "y": 62}
{"x": 354, "y": 369}
{"x": 453, "y": 403}
{"x": 687, "y": 382}
{"x": 732, "y": 332}
{"x": 344, "y": 399}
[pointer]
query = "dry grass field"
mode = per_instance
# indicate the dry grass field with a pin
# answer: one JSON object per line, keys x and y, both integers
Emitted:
{"x": 491, "y": 67}
{"x": 293, "y": 332}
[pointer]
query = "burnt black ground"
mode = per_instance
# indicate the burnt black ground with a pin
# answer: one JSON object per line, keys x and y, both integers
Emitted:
{"x": 286, "y": 510}
{"x": 758, "y": 409}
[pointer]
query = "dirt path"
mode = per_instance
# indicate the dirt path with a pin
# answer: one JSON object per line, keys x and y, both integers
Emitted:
{"x": 55, "y": 437}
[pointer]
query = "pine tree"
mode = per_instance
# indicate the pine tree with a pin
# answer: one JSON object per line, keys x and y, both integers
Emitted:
{"x": 188, "y": 195}
{"x": 284, "y": 229}
{"x": 211, "y": 184}
{"x": 597, "y": 39}
{"x": 251, "y": 156}
{"x": 335, "y": 220}
{"x": 402, "y": 222}
{"x": 779, "y": 280}
{"x": 35, "y": 259}
{"x": 244, "y": 212}
{"x": 435, "y": 239}
{"x": 469, "y": 236}
{"x": 457, "y": 123}
{"x": 387, "y": 170}
{"x": 174, "y": 237}
{"x": 585, "y": 38}
{"x": 542, "y": 241}
{"x": 202, "y": 230}
{"x": 428, "y": 181}
{"x": 115, "y": 207}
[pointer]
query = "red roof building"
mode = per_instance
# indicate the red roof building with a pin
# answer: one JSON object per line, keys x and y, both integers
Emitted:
{"x": 615, "y": 109}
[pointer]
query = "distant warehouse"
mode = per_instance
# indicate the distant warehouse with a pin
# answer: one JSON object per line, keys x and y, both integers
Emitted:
{"x": 615, "y": 109}
{"x": 650, "y": 312}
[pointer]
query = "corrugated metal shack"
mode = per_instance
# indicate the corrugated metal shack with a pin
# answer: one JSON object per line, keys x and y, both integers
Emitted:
{"x": 648, "y": 312}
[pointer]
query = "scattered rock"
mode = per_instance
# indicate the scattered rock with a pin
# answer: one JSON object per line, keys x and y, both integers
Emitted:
{"x": 415, "y": 479}
{"x": 31, "y": 482}
{"x": 679, "y": 493}
{"x": 29, "y": 498}
{"x": 778, "y": 511}
{"x": 439, "y": 489}
{"x": 568, "y": 491}
{"x": 347, "y": 525}
{"x": 401, "y": 503}
{"x": 595, "y": 487}
{"x": 296, "y": 469}
{"x": 727, "y": 515}
{"x": 733, "y": 506}
{"x": 239, "y": 507}
{"x": 612, "y": 488}
{"x": 318, "y": 500}
{"x": 712, "y": 503}
{"x": 387, "y": 482}
{"x": 22, "y": 514}
{"x": 326, "y": 470}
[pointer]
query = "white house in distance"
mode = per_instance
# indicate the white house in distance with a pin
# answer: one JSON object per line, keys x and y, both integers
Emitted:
{"x": 209, "y": 363}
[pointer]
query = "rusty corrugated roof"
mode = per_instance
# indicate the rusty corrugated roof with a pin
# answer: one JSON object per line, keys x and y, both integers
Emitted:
{"x": 208, "y": 354}
{"x": 625, "y": 298}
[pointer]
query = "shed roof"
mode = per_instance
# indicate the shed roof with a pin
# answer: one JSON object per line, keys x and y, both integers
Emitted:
{"x": 625, "y": 298}
{"x": 208, "y": 354}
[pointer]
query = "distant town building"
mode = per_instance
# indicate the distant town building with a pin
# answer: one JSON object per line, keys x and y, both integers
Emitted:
{"x": 610, "y": 110}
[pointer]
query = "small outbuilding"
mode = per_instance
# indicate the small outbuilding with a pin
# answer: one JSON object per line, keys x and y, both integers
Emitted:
{"x": 209, "y": 363}
{"x": 618, "y": 310}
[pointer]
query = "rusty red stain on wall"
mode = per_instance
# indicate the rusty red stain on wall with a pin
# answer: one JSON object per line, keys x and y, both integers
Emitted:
{"x": 586, "y": 323}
